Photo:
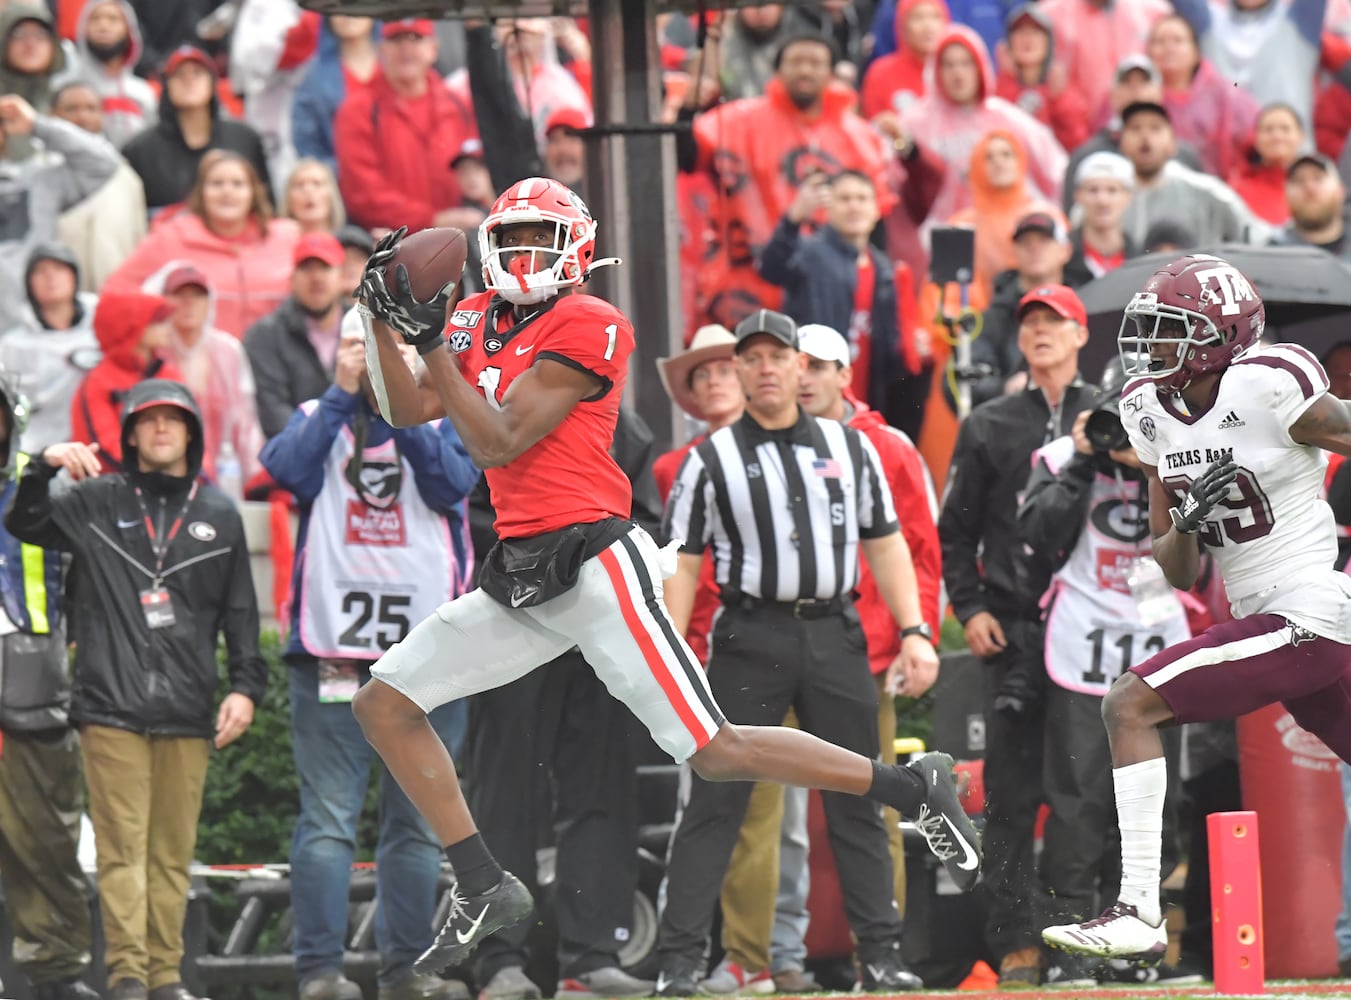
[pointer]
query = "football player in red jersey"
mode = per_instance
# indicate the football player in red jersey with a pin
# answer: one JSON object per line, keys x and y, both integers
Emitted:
{"x": 531, "y": 374}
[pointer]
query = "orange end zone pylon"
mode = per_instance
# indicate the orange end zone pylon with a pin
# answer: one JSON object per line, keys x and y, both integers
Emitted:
{"x": 1236, "y": 902}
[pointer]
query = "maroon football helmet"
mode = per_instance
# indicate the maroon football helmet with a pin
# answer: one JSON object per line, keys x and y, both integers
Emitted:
{"x": 1204, "y": 308}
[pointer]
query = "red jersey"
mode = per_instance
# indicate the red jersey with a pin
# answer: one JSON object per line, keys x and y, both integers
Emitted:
{"x": 568, "y": 477}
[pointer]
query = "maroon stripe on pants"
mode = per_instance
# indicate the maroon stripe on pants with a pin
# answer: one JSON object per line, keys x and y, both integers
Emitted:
{"x": 1302, "y": 665}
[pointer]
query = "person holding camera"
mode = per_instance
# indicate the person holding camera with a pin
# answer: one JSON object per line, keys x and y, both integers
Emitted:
{"x": 1084, "y": 527}
{"x": 976, "y": 531}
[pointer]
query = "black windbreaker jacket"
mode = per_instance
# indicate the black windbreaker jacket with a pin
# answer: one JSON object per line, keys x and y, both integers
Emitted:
{"x": 977, "y": 528}
{"x": 162, "y": 681}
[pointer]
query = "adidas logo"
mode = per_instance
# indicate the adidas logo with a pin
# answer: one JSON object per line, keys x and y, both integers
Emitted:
{"x": 1231, "y": 421}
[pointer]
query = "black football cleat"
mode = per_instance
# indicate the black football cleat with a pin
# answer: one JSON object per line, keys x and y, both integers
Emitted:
{"x": 473, "y": 918}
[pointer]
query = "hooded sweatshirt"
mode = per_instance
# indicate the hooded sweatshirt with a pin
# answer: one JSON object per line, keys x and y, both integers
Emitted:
{"x": 952, "y": 130}
{"x": 128, "y": 101}
{"x": 35, "y": 89}
{"x": 1059, "y": 107}
{"x": 168, "y": 166}
{"x": 35, "y": 191}
{"x": 895, "y": 81}
{"x": 994, "y": 212}
{"x": 217, "y": 371}
{"x": 48, "y": 365}
{"x": 96, "y": 410}
{"x": 760, "y": 149}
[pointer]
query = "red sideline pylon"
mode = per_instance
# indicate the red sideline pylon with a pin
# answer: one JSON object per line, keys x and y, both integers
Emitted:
{"x": 1236, "y": 902}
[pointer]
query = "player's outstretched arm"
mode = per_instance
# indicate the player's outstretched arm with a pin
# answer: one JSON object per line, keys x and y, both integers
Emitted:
{"x": 1326, "y": 424}
{"x": 405, "y": 399}
{"x": 1176, "y": 552}
{"x": 496, "y": 432}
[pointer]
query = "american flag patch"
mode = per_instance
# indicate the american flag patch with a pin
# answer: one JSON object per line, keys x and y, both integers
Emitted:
{"x": 827, "y": 468}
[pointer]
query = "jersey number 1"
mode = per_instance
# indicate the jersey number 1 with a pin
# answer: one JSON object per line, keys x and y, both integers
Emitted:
{"x": 490, "y": 380}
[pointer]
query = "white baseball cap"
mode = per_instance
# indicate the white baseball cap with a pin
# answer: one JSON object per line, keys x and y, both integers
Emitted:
{"x": 1105, "y": 165}
{"x": 824, "y": 343}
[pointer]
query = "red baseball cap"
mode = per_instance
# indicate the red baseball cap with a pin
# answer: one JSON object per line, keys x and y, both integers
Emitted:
{"x": 420, "y": 26}
{"x": 183, "y": 276}
{"x": 1059, "y": 298}
{"x": 187, "y": 53}
{"x": 569, "y": 117}
{"x": 319, "y": 246}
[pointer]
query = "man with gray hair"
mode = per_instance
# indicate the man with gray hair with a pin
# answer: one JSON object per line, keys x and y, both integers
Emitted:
{"x": 1102, "y": 192}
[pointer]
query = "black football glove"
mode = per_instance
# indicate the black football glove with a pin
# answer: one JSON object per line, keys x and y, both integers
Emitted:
{"x": 418, "y": 323}
{"x": 1208, "y": 489}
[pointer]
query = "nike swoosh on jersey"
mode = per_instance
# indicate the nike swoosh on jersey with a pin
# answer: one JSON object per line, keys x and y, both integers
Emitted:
{"x": 464, "y": 936}
{"x": 524, "y": 350}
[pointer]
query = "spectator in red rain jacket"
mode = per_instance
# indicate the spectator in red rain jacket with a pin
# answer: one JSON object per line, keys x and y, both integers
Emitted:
{"x": 1032, "y": 78}
{"x": 761, "y": 149}
{"x": 1207, "y": 111}
{"x": 703, "y": 382}
{"x": 896, "y": 80}
{"x": 395, "y": 139}
{"x": 133, "y": 331}
{"x": 1259, "y": 176}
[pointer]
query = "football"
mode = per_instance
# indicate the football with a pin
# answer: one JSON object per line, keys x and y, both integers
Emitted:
{"x": 434, "y": 259}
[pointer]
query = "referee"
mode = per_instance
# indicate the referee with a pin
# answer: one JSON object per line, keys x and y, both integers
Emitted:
{"x": 785, "y": 500}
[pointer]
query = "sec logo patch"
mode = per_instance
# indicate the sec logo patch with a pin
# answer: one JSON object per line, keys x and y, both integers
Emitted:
{"x": 461, "y": 341}
{"x": 1147, "y": 427}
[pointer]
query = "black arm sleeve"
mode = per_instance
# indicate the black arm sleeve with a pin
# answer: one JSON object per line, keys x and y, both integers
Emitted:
{"x": 961, "y": 521}
{"x": 1054, "y": 508}
{"x": 31, "y": 516}
{"x": 509, "y": 148}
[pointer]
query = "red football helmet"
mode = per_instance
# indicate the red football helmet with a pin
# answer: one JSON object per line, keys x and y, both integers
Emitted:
{"x": 528, "y": 274}
{"x": 1201, "y": 306}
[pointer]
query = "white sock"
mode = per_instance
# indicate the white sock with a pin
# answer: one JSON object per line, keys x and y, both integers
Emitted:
{"x": 1140, "y": 790}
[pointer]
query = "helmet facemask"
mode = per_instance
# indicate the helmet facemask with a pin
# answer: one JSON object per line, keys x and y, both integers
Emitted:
{"x": 530, "y": 274}
{"x": 1149, "y": 325}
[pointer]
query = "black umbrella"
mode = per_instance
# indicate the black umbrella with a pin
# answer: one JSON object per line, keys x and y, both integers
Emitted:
{"x": 1298, "y": 284}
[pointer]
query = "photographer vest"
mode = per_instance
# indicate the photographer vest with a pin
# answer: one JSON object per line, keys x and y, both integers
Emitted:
{"x": 376, "y": 561}
{"x": 1094, "y": 626}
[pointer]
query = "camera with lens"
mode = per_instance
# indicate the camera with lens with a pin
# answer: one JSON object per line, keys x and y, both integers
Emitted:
{"x": 1104, "y": 429}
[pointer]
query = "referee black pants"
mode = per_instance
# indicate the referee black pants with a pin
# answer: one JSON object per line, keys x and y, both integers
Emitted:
{"x": 764, "y": 661}
{"x": 555, "y": 748}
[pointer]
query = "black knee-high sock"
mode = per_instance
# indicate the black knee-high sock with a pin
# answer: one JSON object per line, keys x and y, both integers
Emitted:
{"x": 476, "y": 870}
{"x": 897, "y": 786}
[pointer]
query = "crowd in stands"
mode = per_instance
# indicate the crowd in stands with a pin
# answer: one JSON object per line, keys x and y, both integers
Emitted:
{"x": 189, "y": 191}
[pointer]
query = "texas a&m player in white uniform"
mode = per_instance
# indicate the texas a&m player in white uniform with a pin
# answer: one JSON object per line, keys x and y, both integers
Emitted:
{"x": 1231, "y": 439}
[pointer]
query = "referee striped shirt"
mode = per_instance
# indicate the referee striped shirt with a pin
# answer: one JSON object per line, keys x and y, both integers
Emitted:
{"x": 783, "y": 510}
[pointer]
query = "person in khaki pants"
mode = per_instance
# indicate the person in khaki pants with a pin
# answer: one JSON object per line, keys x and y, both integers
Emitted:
{"x": 161, "y": 569}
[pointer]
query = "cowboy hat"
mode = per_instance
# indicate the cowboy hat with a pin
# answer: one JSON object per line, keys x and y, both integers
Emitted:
{"x": 710, "y": 343}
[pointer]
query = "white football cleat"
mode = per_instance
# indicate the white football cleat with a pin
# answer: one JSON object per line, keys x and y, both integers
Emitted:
{"x": 1117, "y": 933}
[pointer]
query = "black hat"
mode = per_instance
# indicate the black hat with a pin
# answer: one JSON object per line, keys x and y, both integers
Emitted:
{"x": 806, "y": 36}
{"x": 163, "y": 392}
{"x": 1139, "y": 107}
{"x": 354, "y": 236}
{"x": 775, "y": 324}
